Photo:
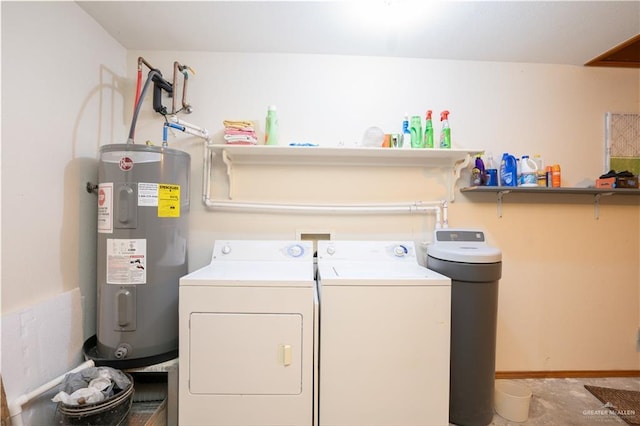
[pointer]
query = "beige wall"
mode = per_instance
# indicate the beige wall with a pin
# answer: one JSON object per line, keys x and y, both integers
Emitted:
{"x": 569, "y": 292}
{"x": 63, "y": 80}
{"x": 63, "y": 85}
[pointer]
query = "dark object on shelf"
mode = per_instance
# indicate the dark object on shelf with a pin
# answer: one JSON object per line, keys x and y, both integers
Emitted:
{"x": 627, "y": 181}
{"x": 624, "y": 179}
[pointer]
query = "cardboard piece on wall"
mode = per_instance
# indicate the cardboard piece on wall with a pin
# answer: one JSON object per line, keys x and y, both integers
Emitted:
{"x": 40, "y": 343}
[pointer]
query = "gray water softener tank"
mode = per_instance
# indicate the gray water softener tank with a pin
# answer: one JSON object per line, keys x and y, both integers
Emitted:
{"x": 143, "y": 211}
{"x": 474, "y": 268}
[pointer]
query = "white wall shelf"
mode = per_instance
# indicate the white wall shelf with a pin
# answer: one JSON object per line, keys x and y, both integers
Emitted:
{"x": 452, "y": 159}
{"x": 348, "y": 156}
{"x": 597, "y": 193}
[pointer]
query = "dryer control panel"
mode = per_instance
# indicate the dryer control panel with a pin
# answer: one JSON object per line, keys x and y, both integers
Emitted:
{"x": 262, "y": 250}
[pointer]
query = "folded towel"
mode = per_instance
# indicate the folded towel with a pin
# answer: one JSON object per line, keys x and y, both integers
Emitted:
{"x": 240, "y": 143}
{"x": 238, "y": 124}
{"x": 248, "y": 139}
{"x": 229, "y": 131}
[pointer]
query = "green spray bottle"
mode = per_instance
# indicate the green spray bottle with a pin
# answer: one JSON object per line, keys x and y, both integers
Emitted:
{"x": 445, "y": 133}
{"x": 428, "y": 131}
{"x": 416, "y": 132}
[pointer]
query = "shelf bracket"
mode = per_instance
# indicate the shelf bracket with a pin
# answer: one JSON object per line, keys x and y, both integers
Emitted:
{"x": 457, "y": 169}
{"x": 596, "y": 203}
{"x": 499, "y": 203}
{"x": 227, "y": 161}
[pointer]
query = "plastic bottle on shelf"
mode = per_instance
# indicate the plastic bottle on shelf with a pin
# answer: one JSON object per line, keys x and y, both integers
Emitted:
{"x": 508, "y": 170}
{"x": 541, "y": 176}
{"x": 539, "y": 161}
{"x": 477, "y": 172}
{"x": 491, "y": 171}
{"x": 417, "y": 141}
{"x": 549, "y": 176}
{"x": 406, "y": 133}
{"x": 428, "y": 131}
{"x": 271, "y": 126}
{"x": 528, "y": 172}
{"x": 555, "y": 176}
{"x": 445, "y": 133}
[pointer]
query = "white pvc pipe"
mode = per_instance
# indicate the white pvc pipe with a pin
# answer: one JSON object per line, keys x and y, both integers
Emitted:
{"x": 15, "y": 408}
{"x": 192, "y": 128}
{"x": 445, "y": 219}
{"x": 227, "y": 162}
{"x": 408, "y": 207}
{"x": 415, "y": 207}
{"x": 195, "y": 133}
{"x": 206, "y": 173}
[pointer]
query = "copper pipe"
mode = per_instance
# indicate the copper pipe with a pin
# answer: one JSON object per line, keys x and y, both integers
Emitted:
{"x": 141, "y": 61}
{"x": 179, "y": 68}
{"x": 176, "y": 66}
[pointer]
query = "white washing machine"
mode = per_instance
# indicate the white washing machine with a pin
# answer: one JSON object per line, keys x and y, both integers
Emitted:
{"x": 384, "y": 336}
{"x": 247, "y": 330}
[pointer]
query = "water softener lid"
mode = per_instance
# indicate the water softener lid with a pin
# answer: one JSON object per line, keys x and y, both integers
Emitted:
{"x": 463, "y": 245}
{"x": 466, "y": 253}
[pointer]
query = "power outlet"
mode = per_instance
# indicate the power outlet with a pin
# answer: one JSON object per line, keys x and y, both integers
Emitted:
{"x": 638, "y": 340}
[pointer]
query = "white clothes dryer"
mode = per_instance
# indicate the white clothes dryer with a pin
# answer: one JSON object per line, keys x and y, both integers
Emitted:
{"x": 384, "y": 336}
{"x": 247, "y": 326}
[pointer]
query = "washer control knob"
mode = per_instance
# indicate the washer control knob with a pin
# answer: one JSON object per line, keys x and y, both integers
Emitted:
{"x": 226, "y": 249}
{"x": 400, "y": 251}
{"x": 295, "y": 250}
{"x": 331, "y": 250}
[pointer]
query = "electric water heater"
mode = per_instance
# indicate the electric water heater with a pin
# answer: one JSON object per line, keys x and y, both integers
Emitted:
{"x": 143, "y": 211}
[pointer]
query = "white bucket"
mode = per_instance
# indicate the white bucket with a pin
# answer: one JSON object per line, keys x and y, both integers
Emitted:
{"x": 512, "y": 400}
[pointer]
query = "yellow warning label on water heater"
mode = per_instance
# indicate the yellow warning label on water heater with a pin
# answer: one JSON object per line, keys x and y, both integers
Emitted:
{"x": 168, "y": 200}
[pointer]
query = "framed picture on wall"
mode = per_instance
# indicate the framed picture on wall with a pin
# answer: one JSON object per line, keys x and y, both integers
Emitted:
{"x": 622, "y": 145}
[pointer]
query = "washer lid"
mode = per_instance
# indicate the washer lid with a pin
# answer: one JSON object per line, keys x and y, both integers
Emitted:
{"x": 378, "y": 274}
{"x": 463, "y": 245}
{"x": 383, "y": 270}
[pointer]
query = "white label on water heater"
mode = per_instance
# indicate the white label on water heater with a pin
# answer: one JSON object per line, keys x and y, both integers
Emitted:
{"x": 126, "y": 261}
{"x": 147, "y": 194}
{"x": 105, "y": 208}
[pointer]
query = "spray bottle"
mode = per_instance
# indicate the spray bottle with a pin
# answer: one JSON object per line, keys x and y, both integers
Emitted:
{"x": 445, "y": 134}
{"x": 428, "y": 131}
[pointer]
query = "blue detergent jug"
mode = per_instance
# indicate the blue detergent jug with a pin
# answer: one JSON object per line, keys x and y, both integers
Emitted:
{"x": 508, "y": 170}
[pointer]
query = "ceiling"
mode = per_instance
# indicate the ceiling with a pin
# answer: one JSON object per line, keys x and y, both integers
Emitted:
{"x": 554, "y": 32}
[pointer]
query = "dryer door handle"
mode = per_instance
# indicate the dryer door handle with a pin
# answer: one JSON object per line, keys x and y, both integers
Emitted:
{"x": 284, "y": 352}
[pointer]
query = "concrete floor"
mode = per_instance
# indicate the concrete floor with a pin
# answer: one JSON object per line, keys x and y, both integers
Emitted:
{"x": 566, "y": 402}
{"x": 555, "y": 402}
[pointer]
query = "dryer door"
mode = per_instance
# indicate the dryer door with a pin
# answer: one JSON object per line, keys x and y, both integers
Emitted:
{"x": 245, "y": 354}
